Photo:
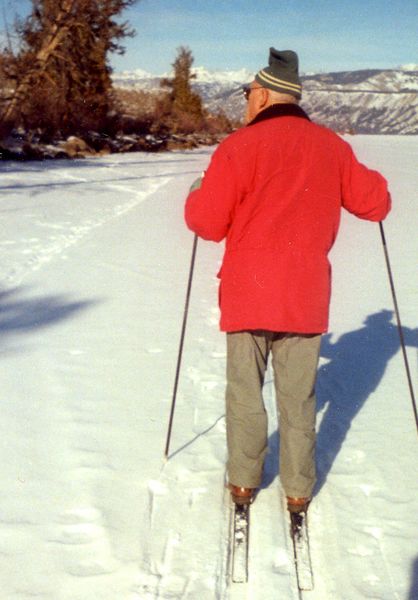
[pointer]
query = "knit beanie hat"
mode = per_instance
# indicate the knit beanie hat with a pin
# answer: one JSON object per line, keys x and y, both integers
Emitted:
{"x": 282, "y": 73}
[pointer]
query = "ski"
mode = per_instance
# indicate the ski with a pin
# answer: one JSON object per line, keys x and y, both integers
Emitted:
{"x": 239, "y": 542}
{"x": 301, "y": 551}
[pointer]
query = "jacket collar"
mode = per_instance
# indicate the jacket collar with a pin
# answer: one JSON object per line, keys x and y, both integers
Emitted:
{"x": 279, "y": 110}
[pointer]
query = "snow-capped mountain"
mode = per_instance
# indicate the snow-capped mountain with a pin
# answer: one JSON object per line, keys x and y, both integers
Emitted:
{"x": 210, "y": 84}
{"x": 241, "y": 76}
{"x": 367, "y": 101}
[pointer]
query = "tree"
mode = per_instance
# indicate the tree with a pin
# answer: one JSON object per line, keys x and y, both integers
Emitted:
{"x": 185, "y": 106}
{"x": 62, "y": 66}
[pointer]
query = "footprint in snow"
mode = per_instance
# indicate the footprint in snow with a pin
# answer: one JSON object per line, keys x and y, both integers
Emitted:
{"x": 375, "y": 532}
{"x": 80, "y": 526}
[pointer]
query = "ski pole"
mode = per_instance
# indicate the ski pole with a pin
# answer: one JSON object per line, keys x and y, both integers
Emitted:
{"x": 398, "y": 320}
{"x": 180, "y": 352}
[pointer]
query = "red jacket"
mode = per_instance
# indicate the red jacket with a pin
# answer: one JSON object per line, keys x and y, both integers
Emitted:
{"x": 275, "y": 190}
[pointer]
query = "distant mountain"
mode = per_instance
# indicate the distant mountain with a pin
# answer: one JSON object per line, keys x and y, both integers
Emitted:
{"x": 369, "y": 101}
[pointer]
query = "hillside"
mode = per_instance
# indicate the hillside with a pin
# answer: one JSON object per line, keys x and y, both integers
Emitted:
{"x": 367, "y": 101}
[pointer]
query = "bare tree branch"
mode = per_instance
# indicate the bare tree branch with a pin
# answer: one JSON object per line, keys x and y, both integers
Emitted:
{"x": 53, "y": 38}
{"x": 65, "y": 43}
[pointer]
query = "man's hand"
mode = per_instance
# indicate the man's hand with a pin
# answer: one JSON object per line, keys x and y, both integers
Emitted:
{"x": 197, "y": 183}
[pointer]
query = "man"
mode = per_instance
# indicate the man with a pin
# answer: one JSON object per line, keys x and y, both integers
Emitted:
{"x": 274, "y": 189}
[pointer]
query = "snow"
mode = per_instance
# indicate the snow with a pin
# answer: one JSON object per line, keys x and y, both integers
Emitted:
{"x": 409, "y": 67}
{"x": 94, "y": 265}
{"x": 135, "y": 74}
{"x": 239, "y": 76}
{"x": 202, "y": 75}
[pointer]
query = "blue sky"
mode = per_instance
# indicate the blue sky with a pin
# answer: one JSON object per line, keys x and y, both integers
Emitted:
{"x": 329, "y": 35}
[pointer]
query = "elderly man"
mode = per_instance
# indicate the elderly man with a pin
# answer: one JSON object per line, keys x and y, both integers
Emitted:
{"x": 274, "y": 189}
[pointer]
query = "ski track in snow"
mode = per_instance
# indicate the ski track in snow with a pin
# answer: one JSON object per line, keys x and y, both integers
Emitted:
{"x": 40, "y": 239}
{"x": 94, "y": 267}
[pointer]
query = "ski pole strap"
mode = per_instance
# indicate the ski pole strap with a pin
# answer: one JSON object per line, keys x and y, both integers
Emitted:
{"x": 398, "y": 320}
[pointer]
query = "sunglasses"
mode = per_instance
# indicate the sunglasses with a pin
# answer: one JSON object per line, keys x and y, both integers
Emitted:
{"x": 246, "y": 90}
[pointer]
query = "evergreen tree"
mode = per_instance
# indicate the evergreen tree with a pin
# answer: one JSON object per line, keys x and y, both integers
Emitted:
{"x": 185, "y": 106}
{"x": 62, "y": 74}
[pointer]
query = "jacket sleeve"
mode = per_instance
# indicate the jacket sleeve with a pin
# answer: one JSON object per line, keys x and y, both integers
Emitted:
{"x": 210, "y": 208}
{"x": 364, "y": 191}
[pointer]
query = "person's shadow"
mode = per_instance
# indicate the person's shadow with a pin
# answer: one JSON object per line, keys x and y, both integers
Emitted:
{"x": 22, "y": 312}
{"x": 413, "y": 592}
{"x": 357, "y": 363}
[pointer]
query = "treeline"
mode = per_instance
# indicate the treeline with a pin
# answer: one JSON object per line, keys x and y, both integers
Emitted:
{"x": 56, "y": 81}
{"x": 176, "y": 109}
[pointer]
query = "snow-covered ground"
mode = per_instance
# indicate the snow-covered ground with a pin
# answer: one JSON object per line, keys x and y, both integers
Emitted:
{"x": 93, "y": 270}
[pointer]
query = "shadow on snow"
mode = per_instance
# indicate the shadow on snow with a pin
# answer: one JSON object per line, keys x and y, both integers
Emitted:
{"x": 51, "y": 185}
{"x": 413, "y": 592}
{"x": 356, "y": 364}
{"x": 19, "y": 315}
{"x": 99, "y": 162}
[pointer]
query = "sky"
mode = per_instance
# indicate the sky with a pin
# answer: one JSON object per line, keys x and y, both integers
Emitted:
{"x": 328, "y": 35}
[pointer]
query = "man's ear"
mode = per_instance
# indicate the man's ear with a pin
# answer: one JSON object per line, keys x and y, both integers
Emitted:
{"x": 263, "y": 98}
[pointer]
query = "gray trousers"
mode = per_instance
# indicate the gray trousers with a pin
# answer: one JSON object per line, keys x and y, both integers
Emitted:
{"x": 295, "y": 360}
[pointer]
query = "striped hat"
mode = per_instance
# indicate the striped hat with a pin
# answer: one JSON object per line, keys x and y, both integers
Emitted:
{"x": 282, "y": 73}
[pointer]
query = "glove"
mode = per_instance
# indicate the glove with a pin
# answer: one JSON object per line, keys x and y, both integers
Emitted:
{"x": 197, "y": 183}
